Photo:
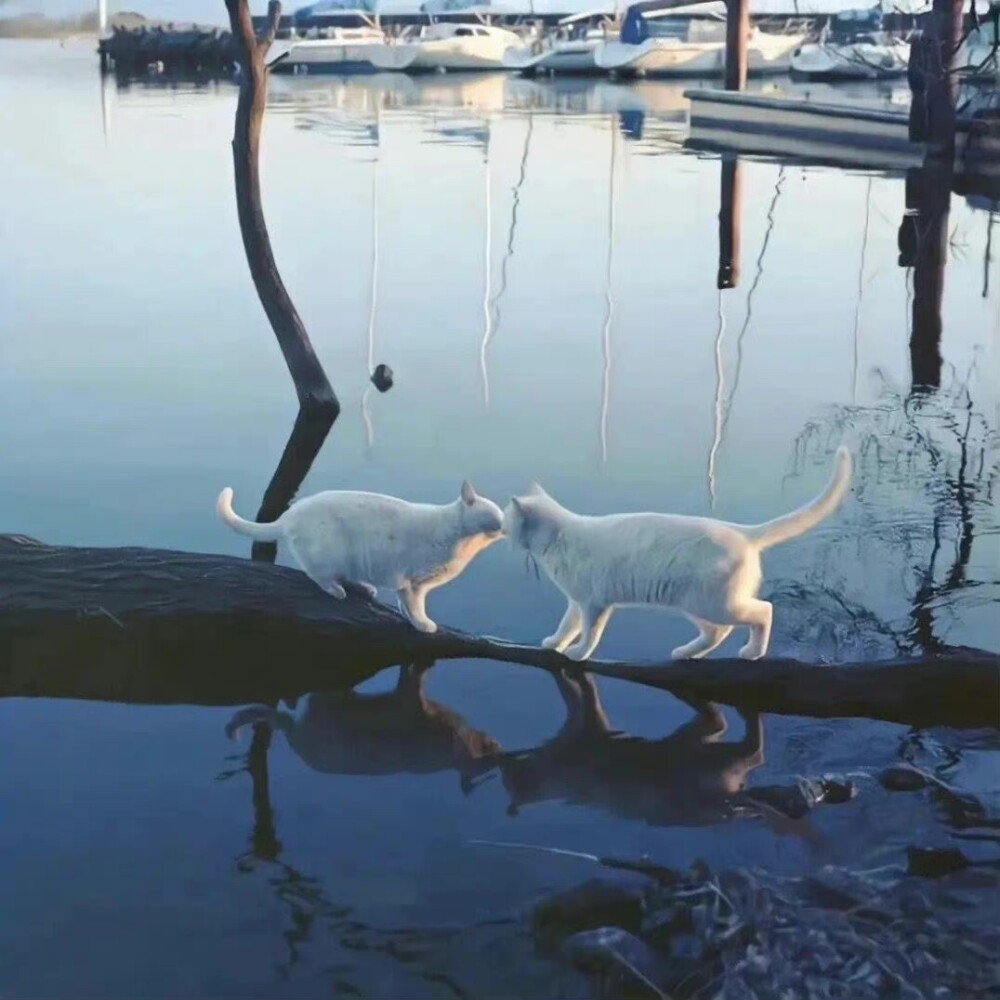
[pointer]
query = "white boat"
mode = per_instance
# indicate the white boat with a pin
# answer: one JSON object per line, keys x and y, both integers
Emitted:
{"x": 977, "y": 58}
{"x": 568, "y": 55}
{"x": 332, "y": 50}
{"x": 446, "y": 46}
{"x": 864, "y": 59}
{"x": 853, "y": 47}
{"x": 569, "y": 49}
{"x": 681, "y": 44}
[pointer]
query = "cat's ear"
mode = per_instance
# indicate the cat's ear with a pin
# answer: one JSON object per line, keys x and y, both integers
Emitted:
{"x": 536, "y": 490}
{"x": 518, "y": 505}
{"x": 469, "y": 495}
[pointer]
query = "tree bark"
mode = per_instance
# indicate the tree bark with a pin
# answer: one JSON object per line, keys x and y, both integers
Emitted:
{"x": 155, "y": 626}
{"x": 314, "y": 390}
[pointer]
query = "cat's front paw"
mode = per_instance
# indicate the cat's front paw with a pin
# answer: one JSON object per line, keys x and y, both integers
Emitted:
{"x": 551, "y": 642}
{"x": 752, "y": 652}
{"x": 426, "y": 625}
{"x": 577, "y": 653}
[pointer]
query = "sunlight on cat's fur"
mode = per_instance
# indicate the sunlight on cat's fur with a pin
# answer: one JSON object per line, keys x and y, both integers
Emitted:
{"x": 371, "y": 541}
{"x": 706, "y": 569}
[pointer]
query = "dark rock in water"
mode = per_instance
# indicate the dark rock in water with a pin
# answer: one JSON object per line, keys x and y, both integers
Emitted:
{"x": 596, "y": 903}
{"x": 793, "y": 801}
{"x": 606, "y": 949}
{"x": 382, "y": 378}
{"x": 902, "y": 778}
{"x": 934, "y": 862}
{"x": 837, "y": 789}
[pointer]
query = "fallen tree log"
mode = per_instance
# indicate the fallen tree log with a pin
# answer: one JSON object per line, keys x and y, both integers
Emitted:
{"x": 157, "y": 626}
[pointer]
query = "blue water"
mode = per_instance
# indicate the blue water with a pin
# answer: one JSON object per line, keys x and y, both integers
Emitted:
{"x": 545, "y": 292}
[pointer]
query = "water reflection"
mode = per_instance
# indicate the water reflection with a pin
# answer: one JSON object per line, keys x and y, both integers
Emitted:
{"x": 400, "y": 732}
{"x": 928, "y": 463}
{"x": 689, "y": 778}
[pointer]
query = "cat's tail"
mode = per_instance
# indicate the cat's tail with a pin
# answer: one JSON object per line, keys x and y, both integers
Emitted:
{"x": 262, "y": 532}
{"x": 781, "y": 529}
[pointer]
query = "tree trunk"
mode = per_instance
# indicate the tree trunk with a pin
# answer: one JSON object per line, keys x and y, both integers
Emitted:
{"x": 314, "y": 391}
{"x": 154, "y": 626}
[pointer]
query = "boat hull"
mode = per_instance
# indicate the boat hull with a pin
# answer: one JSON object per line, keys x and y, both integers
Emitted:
{"x": 668, "y": 57}
{"x": 327, "y": 57}
{"x": 568, "y": 58}
{"x": 448, "y": 55}
{"x": 850, "y": 62}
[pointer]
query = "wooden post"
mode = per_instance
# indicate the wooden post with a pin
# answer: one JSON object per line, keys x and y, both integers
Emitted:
{"x": 314, "y": 391}
{"x": 737, "y": 39}
{"x": 932, "y": 119}
{"x": 932, "y": 188}
{"x": 307, "y": 437}
{"x": 730, "y": 213}
{"x": 932, "y": 79}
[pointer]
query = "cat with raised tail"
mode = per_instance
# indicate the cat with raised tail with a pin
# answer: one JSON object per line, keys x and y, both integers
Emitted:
{"x": 370, "y": 540}
{"x": 708, "y": 570}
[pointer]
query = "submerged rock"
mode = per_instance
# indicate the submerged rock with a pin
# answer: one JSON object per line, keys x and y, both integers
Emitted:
{"x": 902, "y": 778}
{"x": 934, "y": 862}
{"x": 597, "y": 903}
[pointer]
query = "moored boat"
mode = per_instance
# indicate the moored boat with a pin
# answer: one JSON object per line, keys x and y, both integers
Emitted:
{"x": 853, "y": 47}
{"x": 446, "y": 46}
{"x": 688, "y": 41}
{"x": 569, "y": 49}
{"x": 334, "y": 50}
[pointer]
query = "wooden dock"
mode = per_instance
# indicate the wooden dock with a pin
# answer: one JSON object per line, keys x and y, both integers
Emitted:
{"x": 849, "y": 135}
{"x": 190, "y": 50}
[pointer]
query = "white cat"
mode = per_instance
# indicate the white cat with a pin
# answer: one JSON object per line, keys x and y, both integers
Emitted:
{"x": 708, "y": 570}
{"x": 373, "y": 541}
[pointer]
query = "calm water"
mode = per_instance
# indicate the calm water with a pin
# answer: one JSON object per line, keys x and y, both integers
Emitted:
{"x": 537, "y": 263}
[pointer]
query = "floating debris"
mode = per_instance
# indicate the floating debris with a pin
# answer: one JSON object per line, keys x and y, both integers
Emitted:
{"x": 382, "y": 378}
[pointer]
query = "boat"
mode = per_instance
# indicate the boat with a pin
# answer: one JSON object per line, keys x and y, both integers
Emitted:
{"x": 444, "y": 46}
{"x": 329, "y": 50}
{"x": 688, "y": 41}
{"x": 569, "y": 49}
{"x": 977, "y": 60}
{"x": 853, "y": 47}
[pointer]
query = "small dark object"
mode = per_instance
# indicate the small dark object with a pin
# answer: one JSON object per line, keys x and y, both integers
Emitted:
{"x": 902, "y": 778}
{"x": 595, "y": 903}
{"x": 837, "y": 789}
{"x": 382, "y": 378}
{"x": 934, "y": 862}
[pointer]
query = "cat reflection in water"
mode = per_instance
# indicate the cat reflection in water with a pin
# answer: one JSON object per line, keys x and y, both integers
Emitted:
{"x": 400, "y": 732}
{"x": 371, "y": 541}
{"x": 706, "y": 569}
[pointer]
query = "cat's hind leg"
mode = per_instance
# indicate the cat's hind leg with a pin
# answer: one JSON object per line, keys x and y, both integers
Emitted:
{"x": 757, "y": 614}
{"x": 369, "y": 588}
{"x": 334, "y": 589}
{"x": 414, "y": 599}
{"x": 592, "y": 626}
{"x": 567, "y": 630}
{"x": 710, "y": 636}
